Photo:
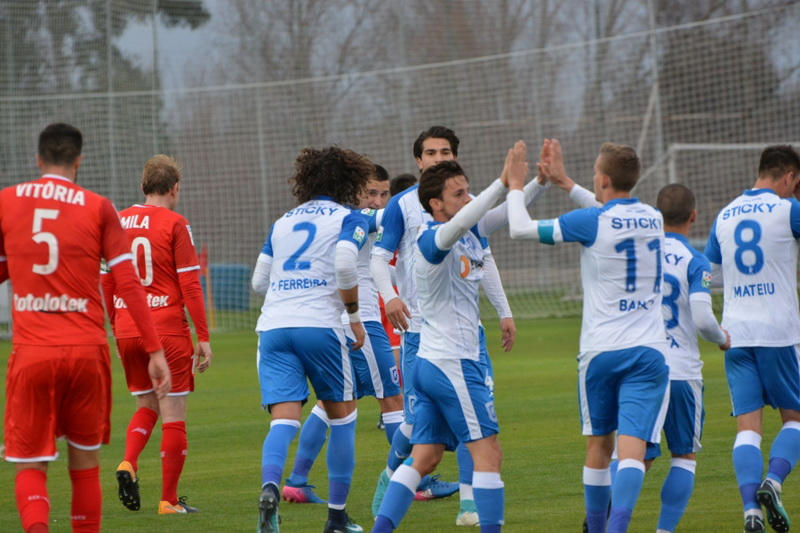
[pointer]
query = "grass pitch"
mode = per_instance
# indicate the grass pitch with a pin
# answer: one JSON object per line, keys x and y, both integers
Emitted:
{"x": 540, "y": 436}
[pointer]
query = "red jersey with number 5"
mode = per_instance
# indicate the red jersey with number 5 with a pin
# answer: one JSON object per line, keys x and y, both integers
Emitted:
{"x": 53, "y": 235}
{"x": 161, "y": 242}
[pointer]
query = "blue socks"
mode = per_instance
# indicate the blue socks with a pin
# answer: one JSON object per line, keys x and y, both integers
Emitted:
{"x": 398, "y": 498}
{"x": 624, "y": 493}
{"x": 341, "y": 459}
{"x": 748, "y": 465}
{"x": 675, "y": 492}
{"x": 597, "y": 495}
{"x": 785, "y": 452}
{"x": 391, "y": 421}
{"x": 489, "y": 499}
{"x": 276, "y": 447}
{"x": 400, "y": 448}
{"x": 312, "y": 437}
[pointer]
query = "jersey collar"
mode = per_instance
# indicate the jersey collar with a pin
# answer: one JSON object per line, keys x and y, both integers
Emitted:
{"x": 622, "y": 201}
{"x": 677, "y": 236}
{"x": 56, "y": 177}
{"x": 323, "y": 197}
{"x": 756, "y": 192}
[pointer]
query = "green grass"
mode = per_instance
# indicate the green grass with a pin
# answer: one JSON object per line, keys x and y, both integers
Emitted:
{"x": 540, "y": 435}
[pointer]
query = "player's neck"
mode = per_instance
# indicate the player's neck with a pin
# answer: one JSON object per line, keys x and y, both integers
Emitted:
{"x": 68, "y": 172}
{"x": 767, "y": 183}
{"x": 681, "y": 230}
{"x": 159, "y": 200}
{"x": 606, "y": 195}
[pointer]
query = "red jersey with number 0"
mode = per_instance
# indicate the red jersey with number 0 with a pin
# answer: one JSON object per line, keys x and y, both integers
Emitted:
{"x": 53, "y": 235}
{"x": 161, "y": 242}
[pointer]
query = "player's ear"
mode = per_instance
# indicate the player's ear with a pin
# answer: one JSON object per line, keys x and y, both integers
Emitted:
{"x": 39, "y": 162}
{"x": 419, "y": 163}
{"x": 78, "y": 161}
{"x": 693, "y": 216}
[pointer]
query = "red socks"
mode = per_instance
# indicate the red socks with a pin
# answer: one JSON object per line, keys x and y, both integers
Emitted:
{"x": 33, "y": 503}
{"x": 139, "y": 430}
{"x": 87, "y": 499}
{"x": 173, "y": 455}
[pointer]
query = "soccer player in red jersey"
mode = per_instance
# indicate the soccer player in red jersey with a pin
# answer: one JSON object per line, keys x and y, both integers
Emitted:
{"x": 165, "y": 258}
{"x": 53, "y": 236}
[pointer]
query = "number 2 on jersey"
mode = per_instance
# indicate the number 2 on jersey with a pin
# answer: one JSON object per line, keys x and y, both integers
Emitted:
{"x": 294, "y": 262}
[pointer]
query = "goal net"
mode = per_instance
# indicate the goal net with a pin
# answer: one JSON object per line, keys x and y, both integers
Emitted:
{"x": 697, "y": 99}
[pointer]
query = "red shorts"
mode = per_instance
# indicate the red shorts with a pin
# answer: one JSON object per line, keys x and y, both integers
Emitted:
{"x": 178, "y": 350}
{"x": 394, "y": 338}
{"x": 54, "y": 391}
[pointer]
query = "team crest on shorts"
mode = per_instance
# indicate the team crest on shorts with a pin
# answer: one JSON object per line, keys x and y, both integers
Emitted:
{"x": 490, "y": 411}
{"x": 395, "y": 375}
{"x": 412, "y": 401}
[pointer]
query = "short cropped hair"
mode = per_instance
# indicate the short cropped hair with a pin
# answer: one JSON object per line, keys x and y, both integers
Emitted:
{"x": 620, "y": 163}
{"x": 381, "y": 174}
{"x": 60, "y": 144}
{"x": 676, "y": 203}
{"x": 336, "y": 172}
{"x": 777, "y": 160}
{"x": 436, "y": 132}
{"x": 160, "y": 174}
{"x": 433, "y": 179}
{"x": 401, "y": 182}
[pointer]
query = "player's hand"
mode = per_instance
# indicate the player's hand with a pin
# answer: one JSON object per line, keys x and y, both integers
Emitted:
{"x": 159, "y": 374}
{"x": 508, "y": 333}
{"x": 359, "y": 333}
{"x": 202, "y": 356}
{"x": 397, "y": 313}
{"x": 727, "y": 346}
{"x": 551, "y": 164}
{"x": 516, "y": 165}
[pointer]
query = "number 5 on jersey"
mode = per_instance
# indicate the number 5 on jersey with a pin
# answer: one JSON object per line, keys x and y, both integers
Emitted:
{"x": 39, "y": 236}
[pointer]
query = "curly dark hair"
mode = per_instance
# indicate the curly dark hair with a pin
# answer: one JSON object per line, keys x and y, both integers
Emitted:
{"x": 336, "y": 172}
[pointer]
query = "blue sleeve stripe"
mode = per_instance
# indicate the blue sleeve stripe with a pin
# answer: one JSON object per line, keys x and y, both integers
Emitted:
{"x": 267, "y": 248}
{"x": 546, "y": 228}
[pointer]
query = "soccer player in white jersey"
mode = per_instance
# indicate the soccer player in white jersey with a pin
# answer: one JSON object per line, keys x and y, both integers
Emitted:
{"x": 401, "y": 222}
{"x": 453, "y": 403}
{"x": 374, "y": 365}
{"x": 754, "y": 240}
{"x": 686, "y": 305}
{"x": 310, "y": 252}
{"x": 622, "y": 374}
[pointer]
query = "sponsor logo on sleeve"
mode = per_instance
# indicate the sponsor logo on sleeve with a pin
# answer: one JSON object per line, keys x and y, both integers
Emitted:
{"x": 706, "y": 281}
{"x": 359, "y": 235}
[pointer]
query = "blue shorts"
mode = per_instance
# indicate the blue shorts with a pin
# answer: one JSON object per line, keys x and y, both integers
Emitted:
{"x": 453, "y": 402}
{"x": 374, "y": 365}
{"x": 624, "y": 390}
{"x": 486, "y": 361}
{"x": 683, "y": 426}
{"x": 408, "y": 359}
{"x": 286, "y": 356}
{"x": 759, "y": 376}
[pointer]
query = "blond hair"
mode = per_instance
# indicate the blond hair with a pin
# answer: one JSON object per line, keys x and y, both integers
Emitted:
{"x": 160, "y": 174}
